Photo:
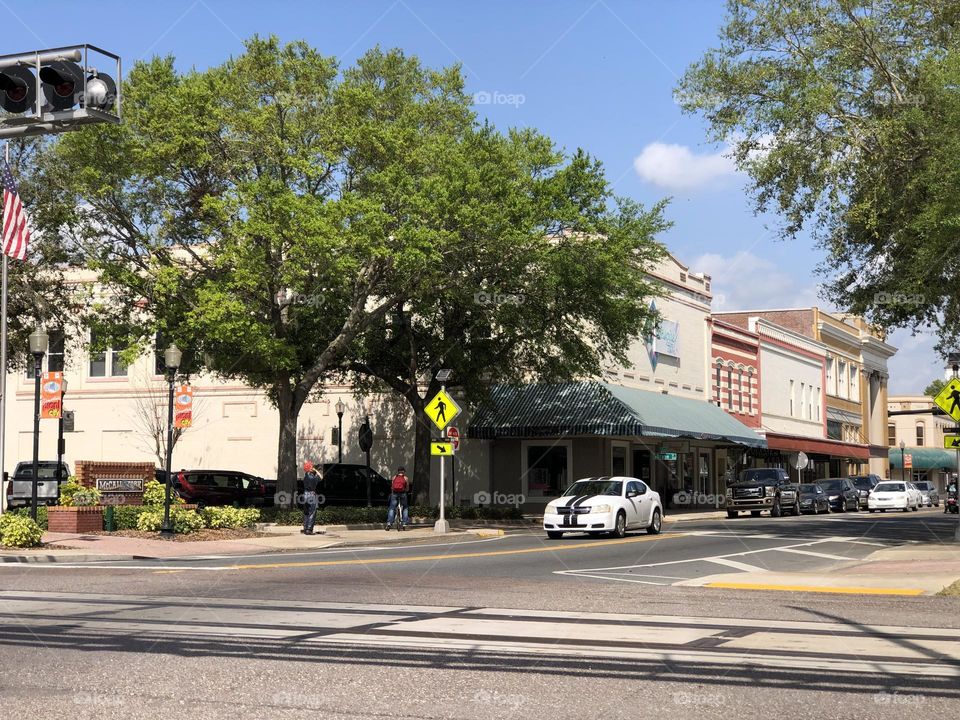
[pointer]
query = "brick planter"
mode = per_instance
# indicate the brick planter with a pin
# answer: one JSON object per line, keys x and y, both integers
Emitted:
{"x": 75, "y": 519}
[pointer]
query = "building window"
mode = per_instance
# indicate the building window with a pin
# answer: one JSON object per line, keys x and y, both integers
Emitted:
{"x": 817, "y": 416}
{"x": 106, "y": 362}
{"x": 335, "y": 436}
{"x": 750, "y": 391}
{"x": 791, "y": 398}
{"x": 920, "y": 429}
{"x": 853, "y": 383}
{"x": 803, "y": 392}
{"x": 891, "y": 435}
{"x": 841, "y": 379}
{"x": 830, "y": 375}
{"x": 730, "y": 388}
{"x": 719, "y": 384}
{"x": 740, "y": 390}
{"x": 546, "y": 469}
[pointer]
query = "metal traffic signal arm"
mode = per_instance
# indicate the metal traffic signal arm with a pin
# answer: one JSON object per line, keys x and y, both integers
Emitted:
{"x": 45, "y": 92}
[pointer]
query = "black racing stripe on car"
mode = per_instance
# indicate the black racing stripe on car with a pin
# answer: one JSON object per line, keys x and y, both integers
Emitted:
{"x": 581, "y": 500}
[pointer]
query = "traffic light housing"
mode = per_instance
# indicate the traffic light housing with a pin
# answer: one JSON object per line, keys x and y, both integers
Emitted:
{"x": 18, "y": 89}
{"x": 62, "y": 83}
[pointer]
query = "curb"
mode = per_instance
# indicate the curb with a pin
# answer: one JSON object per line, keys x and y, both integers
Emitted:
{"x": 46, "y": 559}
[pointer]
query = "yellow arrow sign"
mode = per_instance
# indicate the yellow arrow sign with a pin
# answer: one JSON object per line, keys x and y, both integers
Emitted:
{"x": 948, "y": 399}
{"x": 441, "y": 448}
{"x": 442, "y": 409}
{"x": 951, "y": 442}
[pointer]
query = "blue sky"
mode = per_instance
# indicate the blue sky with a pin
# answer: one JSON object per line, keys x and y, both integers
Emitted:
{"x": 592, "y": 74}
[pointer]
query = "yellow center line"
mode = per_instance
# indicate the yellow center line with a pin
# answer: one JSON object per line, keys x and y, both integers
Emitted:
{"x": 816, "y": 588}
{"x": 457, "y": 556}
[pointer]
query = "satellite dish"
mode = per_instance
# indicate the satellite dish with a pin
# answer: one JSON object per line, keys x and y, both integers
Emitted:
{"x": 799, "y": 460}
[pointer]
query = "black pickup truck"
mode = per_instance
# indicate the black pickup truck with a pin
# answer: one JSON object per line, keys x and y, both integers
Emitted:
{"x": 759, "y": 489}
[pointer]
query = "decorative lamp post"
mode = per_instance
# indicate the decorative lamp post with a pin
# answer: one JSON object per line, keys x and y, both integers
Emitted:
{"x": 61, "y": 476}
{"x": 171, "y": 360}
{"x": 340, "y": 408}
{"x": 39, "y": 342}
{"x": 903, "y": 464}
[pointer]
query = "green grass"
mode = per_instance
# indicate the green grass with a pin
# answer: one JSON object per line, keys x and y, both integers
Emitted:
{"x": 951, "y": 590}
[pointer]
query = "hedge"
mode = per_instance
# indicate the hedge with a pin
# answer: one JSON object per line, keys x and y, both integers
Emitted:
{"x": 336, "y": 515}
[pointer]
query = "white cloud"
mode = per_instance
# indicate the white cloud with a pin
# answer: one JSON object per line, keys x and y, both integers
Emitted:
{"x": 745, "y": 281}
{"x": 677, "y": 167}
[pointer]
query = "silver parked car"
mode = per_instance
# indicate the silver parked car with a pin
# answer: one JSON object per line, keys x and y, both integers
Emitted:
{"x": 928, "y": 493}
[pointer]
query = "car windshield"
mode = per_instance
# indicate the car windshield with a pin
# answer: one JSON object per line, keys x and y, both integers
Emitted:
{"x": 44, "y": 472}
{"x": 595, "y": 487}
{"x": 924, "y": 486}
{"x": 863, "y": 483}
{"x": 760, "y": 474}
{"x": 889, "y": 487}
{"x": 830, "y": 485}
{"x": 808, "y": 488}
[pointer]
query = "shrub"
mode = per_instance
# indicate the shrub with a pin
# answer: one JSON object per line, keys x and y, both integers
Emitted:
{"x": 154, "y": 493}
{"x": 184, "y": 521}
{"x": 125, "y": 516}
{"x": 19, "y": 531}
{"x": 73, "y": 494}
{"x": 229, "y": 517}
{"x": 25, "y": 512}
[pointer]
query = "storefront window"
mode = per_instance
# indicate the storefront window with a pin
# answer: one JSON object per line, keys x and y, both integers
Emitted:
{"x": 546, "y": 470}
{"x": 618, "y": 464}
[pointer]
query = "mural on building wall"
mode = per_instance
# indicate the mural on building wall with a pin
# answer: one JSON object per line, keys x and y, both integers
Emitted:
{"x": 668, "y": 339}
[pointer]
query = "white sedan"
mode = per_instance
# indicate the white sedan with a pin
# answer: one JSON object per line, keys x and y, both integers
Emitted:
{"x": 604, "y": 505}
{"x": 893, "y": 496}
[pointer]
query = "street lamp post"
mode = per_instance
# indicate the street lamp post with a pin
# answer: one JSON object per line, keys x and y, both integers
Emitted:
{"x": 903, "y": 465}
{"x": 39, "y": 341}
{"x": 340, "y": 408}
{"x": 171, "y": 359}
{"x": 60, "y": 443}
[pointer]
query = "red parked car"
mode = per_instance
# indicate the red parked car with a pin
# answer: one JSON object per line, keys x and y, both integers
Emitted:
{"x": 218, "y": 487}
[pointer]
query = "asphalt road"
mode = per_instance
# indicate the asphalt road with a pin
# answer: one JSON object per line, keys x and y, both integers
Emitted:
{"x": 518, "y": 626}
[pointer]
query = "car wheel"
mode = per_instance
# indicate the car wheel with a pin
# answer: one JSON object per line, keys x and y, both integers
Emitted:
{"x": 873, "y": 510}
{"x": 754, "y": 513}
{"x": 916, "y": 507}
{"x": 554, "y": 534}
{"x": 656, "y": 523}
{"x": 796, "y": 509}
{"x": 775, "y": 511}
{"x": 733, "y": 513}
{"x": 816, "y": 508}
{"x": 883, "y": 511}
{"x": 620, "y": 525}
{"x": 906, "y": 508}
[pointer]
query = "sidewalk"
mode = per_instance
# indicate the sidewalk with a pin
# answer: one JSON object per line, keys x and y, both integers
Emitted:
{"x": 280, "y": 538}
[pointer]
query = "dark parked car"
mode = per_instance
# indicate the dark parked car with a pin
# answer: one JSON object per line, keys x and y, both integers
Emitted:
{"x": 759, "y": 489}
{"x": 346, "y": 484}
{"x": 842, "y": 493}
{"x": 864, "y": 484}
{"x": 929, "y": 495}
{"x": 218, "y": 487}
{"x": 813, "y": 499}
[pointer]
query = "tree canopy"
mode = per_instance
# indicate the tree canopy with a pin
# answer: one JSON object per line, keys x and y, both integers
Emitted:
{"x": 844, "y": 114}
{"x": 272, "y": 214}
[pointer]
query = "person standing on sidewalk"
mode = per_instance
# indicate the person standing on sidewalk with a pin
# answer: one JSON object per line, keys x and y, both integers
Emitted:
{"x": 310, "y": 481}
{"x": 399, "y": 489}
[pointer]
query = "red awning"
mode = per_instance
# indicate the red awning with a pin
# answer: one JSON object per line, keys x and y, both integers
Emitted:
{"x": 795, "y": 443}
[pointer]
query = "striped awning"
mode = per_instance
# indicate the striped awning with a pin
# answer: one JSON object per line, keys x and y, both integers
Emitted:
{"x": 599, "y": 409}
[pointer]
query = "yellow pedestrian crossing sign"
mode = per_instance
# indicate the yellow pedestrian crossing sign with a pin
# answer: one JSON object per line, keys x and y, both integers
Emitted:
{"x": 951, "y": 442}
{"x": 948, "y": 399}
{"x": 442, "y": 409}
{"x": 441, "y": 448}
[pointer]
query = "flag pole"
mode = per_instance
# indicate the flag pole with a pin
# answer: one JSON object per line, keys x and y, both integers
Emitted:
{"x": 3, "y": 369}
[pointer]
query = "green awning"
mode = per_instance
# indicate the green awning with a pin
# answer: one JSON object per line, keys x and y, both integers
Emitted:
{"x": 601, "y": 409}
{"x": 926, "y": 458}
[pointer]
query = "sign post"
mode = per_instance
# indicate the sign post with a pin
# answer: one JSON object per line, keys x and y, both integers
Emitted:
{"x": 442, "y": 409}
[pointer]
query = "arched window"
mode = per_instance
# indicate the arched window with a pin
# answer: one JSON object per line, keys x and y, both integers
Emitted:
{"x": 750, "y": 390}
{"x": 920, "y": 429}
{"x": 719, "y": 383}
{"x": 730, "y": 386}
{"x": 740, "y": 389}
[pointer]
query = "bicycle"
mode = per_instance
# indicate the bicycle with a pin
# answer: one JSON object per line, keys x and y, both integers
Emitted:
{"x": 397, "y": 523}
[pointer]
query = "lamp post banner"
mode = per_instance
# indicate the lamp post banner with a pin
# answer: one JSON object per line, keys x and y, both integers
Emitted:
{"x": 51, "y": 396}
{"x": 183, "y": 407}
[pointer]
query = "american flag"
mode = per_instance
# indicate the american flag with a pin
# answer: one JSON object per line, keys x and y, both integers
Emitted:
{"x": 16, "y": 227}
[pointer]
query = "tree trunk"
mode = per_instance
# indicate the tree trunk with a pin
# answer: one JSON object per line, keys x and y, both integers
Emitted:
{"x": 421, "y": 455}
{"x": 287, "y": 447}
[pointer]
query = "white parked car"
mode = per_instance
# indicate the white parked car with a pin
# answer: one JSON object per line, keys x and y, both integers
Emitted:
{"x": 890, "y": 495}
{"x": 604, "y": 505}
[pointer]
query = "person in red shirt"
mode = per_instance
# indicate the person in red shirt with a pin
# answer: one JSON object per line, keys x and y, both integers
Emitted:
{"x": 399, "y": 489}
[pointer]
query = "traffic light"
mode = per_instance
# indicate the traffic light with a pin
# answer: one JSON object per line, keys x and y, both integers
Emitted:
{"x": 19, "y": 89}
{"x": 62, "y": 84}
